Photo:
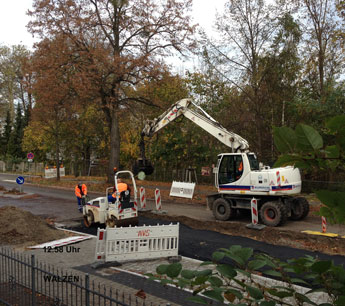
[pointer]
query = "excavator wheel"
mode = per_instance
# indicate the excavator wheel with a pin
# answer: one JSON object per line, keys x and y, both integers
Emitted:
{"x": 273, "y": 213}
{"x": 222, "y": 210}
{"x": 89, "y": 219}
{"x": 142, "y": 165}
{"x": 299, "y": 208}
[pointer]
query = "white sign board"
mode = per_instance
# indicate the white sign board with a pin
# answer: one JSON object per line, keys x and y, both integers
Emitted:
{"x": 182, "y": 189}
{"x": 50, "y": 173}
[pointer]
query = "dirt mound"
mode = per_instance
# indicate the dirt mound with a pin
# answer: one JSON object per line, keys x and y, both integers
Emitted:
{"x": 20, "y": 227}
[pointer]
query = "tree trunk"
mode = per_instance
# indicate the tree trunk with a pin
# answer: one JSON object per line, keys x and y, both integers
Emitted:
{"x": 114, "y": 157}
{"x": 57, "y": 158}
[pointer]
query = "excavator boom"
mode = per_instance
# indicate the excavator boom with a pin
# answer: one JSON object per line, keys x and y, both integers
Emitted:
{"x": 195, "y": 113}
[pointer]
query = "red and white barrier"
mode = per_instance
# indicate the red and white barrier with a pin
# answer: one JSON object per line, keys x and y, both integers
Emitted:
{"x": 100, "y": 245}
{"x": 278, "y": 178}
{"x": 255, "y": 216}
{"x": 137, "y": 243}
{"x": 142, "y": 198}
{"x": 254, "y": 208}
{"x": 158, "y": 199}
{"x": 324, "y": 224}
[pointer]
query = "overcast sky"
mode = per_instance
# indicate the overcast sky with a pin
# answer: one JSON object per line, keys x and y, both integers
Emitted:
{"x": 13, "y": 19}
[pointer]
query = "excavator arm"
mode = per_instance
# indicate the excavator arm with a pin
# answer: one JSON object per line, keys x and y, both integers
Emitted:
{"x": 196, "y": 114}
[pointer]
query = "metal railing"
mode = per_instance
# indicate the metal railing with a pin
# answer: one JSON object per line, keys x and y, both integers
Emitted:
{"x": 25, "y": 281}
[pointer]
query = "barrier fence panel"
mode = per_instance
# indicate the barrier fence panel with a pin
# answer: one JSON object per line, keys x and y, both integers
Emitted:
{"x": 142, "y": 242}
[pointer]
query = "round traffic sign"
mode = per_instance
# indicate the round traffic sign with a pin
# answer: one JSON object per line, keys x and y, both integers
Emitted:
{"x": 20, "y": 180}
{"x": 30, "y": 156}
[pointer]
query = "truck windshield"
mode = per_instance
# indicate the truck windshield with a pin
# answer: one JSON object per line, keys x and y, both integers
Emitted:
{"x": 254, "y": 165}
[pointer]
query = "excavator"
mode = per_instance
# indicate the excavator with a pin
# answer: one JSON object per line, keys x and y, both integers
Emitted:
{"x": 238, "y": 175}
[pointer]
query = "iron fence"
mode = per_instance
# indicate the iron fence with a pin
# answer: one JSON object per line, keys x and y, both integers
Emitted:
{"x": 26, "y": 282}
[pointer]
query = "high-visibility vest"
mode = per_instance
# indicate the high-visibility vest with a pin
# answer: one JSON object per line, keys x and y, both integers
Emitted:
{"x": 83, "y": 190}
{"x": 240, "y": 167}
{"x": 120, "y": 187}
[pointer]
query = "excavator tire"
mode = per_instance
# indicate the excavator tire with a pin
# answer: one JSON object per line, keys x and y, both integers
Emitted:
{"x": 299, "y": 208}
{"x": 273, "y": 213}
{"x": 89, "y": 219}
{"x": 222, "y": 210}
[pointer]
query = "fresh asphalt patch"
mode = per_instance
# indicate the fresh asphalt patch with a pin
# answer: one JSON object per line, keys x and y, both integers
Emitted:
{"x": 200, "y": 244}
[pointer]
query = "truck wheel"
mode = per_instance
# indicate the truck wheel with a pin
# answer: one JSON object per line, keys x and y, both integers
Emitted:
{"x": 222, "y": 210}
{"x": 273, "y": 213}
{"x": 89, "y": 219}
{"x": 299, "y": 208}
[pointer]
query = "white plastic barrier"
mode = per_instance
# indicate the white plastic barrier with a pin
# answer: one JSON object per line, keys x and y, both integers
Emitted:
{"x": 182, "y": 189}
{"x": 142, "y": 242}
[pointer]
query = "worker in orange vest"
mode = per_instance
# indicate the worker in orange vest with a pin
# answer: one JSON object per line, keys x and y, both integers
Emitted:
{"x": 80, "y": 193}
{"x": 120, "y": 187}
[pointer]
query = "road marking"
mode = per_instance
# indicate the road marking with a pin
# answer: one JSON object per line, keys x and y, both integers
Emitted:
{"x": 321, "y": 234}
{"x": 11, "y": 181}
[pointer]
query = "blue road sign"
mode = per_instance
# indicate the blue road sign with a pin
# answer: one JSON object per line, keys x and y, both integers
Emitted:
{"x": 20, "y": 180}
{"x": 30, "y": 155}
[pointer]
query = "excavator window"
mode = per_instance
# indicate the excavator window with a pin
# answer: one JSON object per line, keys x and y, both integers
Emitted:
{"x": 231, "y": 169}
{"x": 254, "y": 164}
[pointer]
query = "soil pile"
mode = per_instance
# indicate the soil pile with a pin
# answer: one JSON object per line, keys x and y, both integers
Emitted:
{"x": 20, "y": 227}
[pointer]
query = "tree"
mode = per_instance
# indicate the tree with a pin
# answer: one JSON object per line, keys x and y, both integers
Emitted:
{"x": 14, "y": 148}
{"x": 11, "y": 76}
{"x": 122, "y": 43}
{"x": 246, "y": 29}
{"x": 323, "y": 45}
{"x": 6, "y": 134}
{"x": 54, "y": 92}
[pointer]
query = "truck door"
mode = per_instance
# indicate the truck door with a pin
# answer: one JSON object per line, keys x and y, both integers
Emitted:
{"x": 230, "y": 169}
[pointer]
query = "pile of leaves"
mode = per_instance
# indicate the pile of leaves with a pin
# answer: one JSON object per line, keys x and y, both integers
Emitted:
{"x": 20, "y": 227}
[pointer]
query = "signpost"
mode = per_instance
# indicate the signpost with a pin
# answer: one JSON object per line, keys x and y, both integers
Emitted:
{"x": 20, "y": 181}
{"x": 30, "y": 156}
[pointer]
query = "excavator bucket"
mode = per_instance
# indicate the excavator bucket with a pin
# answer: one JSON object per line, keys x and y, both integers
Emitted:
{"x": 144, "y": 165}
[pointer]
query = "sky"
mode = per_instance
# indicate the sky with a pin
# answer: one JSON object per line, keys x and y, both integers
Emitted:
{"x": 13, "y": 19}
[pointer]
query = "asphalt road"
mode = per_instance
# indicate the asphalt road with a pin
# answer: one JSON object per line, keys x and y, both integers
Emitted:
{"x": 198, "y": 244}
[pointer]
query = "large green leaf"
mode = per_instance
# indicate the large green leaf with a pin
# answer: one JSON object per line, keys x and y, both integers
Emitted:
{"x": 217, "y": 256}
{"x": 255, "y": 293}
{"x": 256, "y": 264}
{"x": 203, "y": 272}
{"x": 188, "y": 274}
{"x": 332, "y": 151}
{"x": 336, "y": 124}
{"x": 174, "y": 270}
{"x": 226, "y": 270}
{"x": 321, "y": 266}
{"x": 284, "y": 139}
{"x": 215, "y": 281}
{"x": 308, "y": 139}
{"x": 214, "y": 295}
{"x": 162, "y": 269}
